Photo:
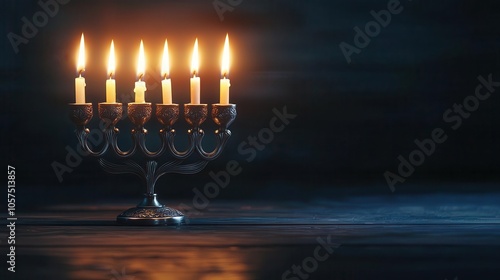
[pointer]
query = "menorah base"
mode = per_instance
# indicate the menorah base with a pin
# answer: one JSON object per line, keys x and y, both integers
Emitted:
{"x": 150, "y": 216}
{"x": 151, "y": 213}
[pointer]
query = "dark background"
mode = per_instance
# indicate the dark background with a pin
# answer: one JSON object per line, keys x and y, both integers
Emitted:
{"x": 353, "y": 120}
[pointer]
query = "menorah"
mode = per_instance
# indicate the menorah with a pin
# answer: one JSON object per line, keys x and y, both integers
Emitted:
{"x": 147, "y": 164}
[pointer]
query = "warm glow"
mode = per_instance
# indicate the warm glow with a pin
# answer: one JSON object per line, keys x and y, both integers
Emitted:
{"x": 225, "y": 59}
{"x": 80, "y": 66}
{"x": 165, "y": 64}
{"x": 111, "y": 60}
{"x": 195, "y": 60}
{"x": 141, "y": 66}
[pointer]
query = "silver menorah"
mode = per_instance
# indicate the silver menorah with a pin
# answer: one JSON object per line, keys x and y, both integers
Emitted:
{"x": 151, "y": 165}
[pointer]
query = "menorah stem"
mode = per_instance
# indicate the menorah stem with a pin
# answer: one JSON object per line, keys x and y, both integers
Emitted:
{"x": 150, "y": 211}
{"x": 150, "y": 200}
{"x": 151, "y": 177}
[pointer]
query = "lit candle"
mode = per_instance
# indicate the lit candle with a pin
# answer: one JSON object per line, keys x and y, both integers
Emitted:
{"x": 80, "y": 68}
{"x": 224, "y": 82}
{"x": 111, "y": 83}
{"x": 166, "y": 84}
{"x": 140, "y": 85}
{"x": 195, "y": 81}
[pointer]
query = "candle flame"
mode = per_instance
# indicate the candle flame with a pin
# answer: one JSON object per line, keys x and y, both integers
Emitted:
{"x": 195, "y": 60}
{"x": 225, "y": 58}
{"x": 165, "y": 64}
{"x": 80, "y": 66}
{"x": 141, "y": 66}
{"x": 111, "y": 60}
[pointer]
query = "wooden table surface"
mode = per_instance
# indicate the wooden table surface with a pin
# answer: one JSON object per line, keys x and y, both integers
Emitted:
{"x": 439, "y": 236}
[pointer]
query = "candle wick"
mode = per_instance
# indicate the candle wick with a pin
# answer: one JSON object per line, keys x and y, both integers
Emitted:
{"x": 165, "y": 76}
{"x": 140, "y": 77}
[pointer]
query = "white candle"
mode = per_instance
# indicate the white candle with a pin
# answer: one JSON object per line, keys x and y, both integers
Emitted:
{"x": 195, "y": 81}
{"x": 80, "y": 90}
{"x": 80, "y": 81}
{"x": 111, "y": 90}
{"x": 224, "y": 82}
{"x": 166, "y": 84}
{"x": 195, "y": 90}
{"x": 224, "y": 91}
{"x": 140, "y": 86}
{"x": 111, "y": 83}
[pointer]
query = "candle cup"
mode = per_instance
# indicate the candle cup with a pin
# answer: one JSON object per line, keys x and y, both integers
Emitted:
{"x": 80, "y": 113}
{"x": 195, "y": 114}
{"x": 110, "y": 113}
{"x": 167, "y": 114}
{"x": 139, "y": 114}
{"x": 223, "y": 115}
